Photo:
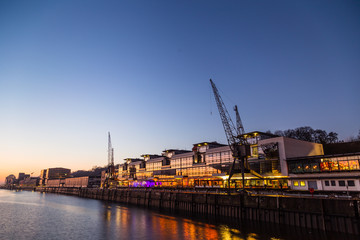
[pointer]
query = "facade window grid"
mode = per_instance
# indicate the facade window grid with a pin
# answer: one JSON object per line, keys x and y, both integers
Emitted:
{"x": 326, "y": 165}
{"x": 184, "y": 166}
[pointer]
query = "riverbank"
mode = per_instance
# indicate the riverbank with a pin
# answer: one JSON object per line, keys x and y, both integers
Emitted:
{"x": 338, "y": 215}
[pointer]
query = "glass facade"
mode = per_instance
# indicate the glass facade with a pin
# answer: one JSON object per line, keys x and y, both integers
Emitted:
{"x": 206, "y": 165}
{"x": 330, "y": 164}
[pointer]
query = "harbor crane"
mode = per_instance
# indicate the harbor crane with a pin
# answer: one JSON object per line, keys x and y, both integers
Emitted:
{"x": 238, "y": 144}
{"x": 110, "y": 172}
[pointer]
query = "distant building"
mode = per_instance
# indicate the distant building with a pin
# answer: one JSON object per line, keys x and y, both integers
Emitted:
{"x": 29, "y": 182}
{"x": 75, "y": 182}
{"x": 53, "y": 173}
{"x": 42, "y": 180}
{"x": 10, "y": 180}
{"x": 23, "y": 176}
{"x": 86, "y": 181}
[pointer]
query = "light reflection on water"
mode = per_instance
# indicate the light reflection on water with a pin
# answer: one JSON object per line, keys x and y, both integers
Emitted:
{"x": 33, "y": 215}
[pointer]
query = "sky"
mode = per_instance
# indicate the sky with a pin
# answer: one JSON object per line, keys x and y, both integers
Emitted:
{"x": 72, "y": 71}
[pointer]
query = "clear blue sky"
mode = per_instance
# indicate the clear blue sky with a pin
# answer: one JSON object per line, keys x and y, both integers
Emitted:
{"x": 70, "y": 71}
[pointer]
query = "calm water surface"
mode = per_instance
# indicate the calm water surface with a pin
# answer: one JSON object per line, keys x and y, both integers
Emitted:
{"x": 34, "y": 215}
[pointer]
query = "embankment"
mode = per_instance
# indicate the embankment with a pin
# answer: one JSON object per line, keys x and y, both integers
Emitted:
{"x": 339, "y": 215}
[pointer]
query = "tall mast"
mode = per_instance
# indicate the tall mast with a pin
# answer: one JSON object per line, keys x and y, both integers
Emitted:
{"x": 111, "y": 167}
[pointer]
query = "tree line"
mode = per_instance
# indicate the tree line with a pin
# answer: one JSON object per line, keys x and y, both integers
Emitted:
{"x": 312, "y": 135}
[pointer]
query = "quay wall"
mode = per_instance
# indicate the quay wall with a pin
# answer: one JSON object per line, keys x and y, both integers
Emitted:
{"x": 338, "y": 215}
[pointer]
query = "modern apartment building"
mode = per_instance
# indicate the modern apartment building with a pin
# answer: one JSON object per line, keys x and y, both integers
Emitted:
{"x": 53, "y": 173}
{"x": 208, "y": 164}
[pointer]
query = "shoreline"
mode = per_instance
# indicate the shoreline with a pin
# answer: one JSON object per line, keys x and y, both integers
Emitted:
{"x": 337, "y": 215}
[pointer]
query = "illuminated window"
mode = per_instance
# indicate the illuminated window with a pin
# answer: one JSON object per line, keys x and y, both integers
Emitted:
{"x": 354, "y": 165}
{"x": 296, "y": 183}
{"x": 315, "y": 167}
{"x": 334, "y": 166}
{"x": 255, "y": 151}
{"x": 302, "y": 183}
{"x": 343, "y": 165}
{"x": 325, "y": 166}
{"x": 298, "y": 168}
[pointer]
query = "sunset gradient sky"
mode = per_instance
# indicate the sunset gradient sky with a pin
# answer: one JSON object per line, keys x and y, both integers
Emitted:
{"x": 70, "y": 71}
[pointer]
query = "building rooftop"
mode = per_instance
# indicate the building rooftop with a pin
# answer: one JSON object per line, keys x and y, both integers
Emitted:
{"x": 176, "y": 151}
{"x": 156, "y": 159}
{"x": 210, "y": 144}
{"x": 133, "y": 159}
{"x": 151, "y": 156}
{"x": 258, "y": 133}
{"x": 187, "y": 154}
{"x": 341, "y": 148}
{"x": 136, "y": 162}
{"x": 222, "y": 148}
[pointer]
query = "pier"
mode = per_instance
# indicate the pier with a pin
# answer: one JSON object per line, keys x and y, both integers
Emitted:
{"x": 338, "y": 215}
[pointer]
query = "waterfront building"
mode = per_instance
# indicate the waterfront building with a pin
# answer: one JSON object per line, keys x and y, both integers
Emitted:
{"x": 10, "y": 180}
{"x": 153, "y": 163}
{"x": 123, "y": 174}
{"x": 269, "y": 155}
{"x": 74, "y": 182}
{"x": 202, "y": 166}
{"x": 59, "y": 172}
{"x": 279, "y": 162}
{"x": 60, "y": 182}
{"x": 53, "y": 174}
{"x": 23, "y": 176}
{"x": 108, "y": 179}
{"x": 136, "y": 167}
{"x": 338, "y": 169}
{"x": 208, "y": 164}
{"x": 29, "y": 182}
{"x": 79, "y": 182}
{"x": 42, "y": 180}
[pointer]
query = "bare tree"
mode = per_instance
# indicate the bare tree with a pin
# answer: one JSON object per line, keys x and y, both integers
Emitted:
{"x": 309, "y": 134}
{"x": 332, "y": 137}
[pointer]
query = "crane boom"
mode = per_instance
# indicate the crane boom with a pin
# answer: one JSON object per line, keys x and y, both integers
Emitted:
{"x": 235, "y": 136}
{"x": 225, "y": 118}
{"x": 239, "y": 125}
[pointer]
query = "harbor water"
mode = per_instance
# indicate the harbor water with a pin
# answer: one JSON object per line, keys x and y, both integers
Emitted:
{"x": 34, "y": 215}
